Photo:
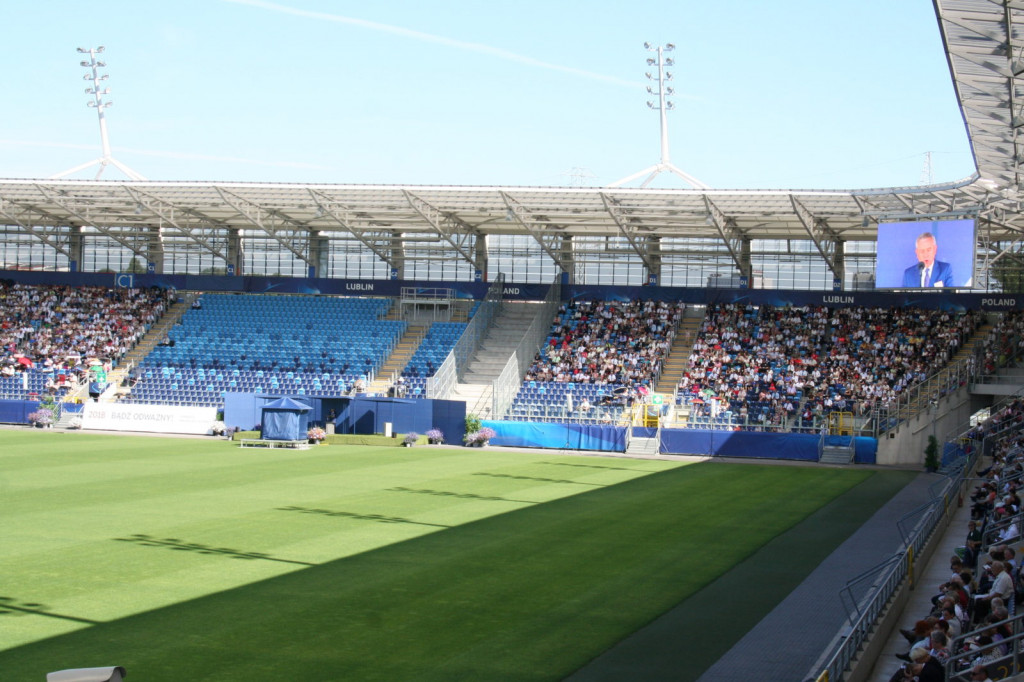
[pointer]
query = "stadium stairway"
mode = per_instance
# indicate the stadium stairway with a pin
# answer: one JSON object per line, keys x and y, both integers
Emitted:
{"x": 838, "y": 454}
{"x": 460, "y": 313}
{"x": 507, "y": 330}
{"x": 399, "y": 358}
{"x": 66, "y": 417}
{"x": 642, "y": 447}
{"x": 155, "y": 335}
{"x": 932, "y": 386}
{"x": 678, "y": 358}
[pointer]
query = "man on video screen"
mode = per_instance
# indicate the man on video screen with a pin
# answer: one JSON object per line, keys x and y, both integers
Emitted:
{"x": 928, "y": 272}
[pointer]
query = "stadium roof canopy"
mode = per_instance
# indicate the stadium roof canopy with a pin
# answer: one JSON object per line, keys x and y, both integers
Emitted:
{"x": 985, "y": 50}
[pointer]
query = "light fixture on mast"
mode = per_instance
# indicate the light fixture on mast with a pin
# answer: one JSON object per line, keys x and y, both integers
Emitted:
{"x": 99, "y": 104}
{"x": 663, "y": 105}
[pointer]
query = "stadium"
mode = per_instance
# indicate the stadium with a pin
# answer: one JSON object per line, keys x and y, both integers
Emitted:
{"x": 650, "y": 433}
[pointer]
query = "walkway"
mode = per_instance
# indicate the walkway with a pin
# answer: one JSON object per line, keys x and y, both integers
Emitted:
{"x": 789, "y": 641}
{"x": 930, "y": 576}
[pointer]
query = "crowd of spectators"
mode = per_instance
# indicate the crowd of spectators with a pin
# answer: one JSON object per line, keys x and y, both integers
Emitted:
{"x": 778, "y": 366}
{"x": 1004, "y": 343}
{"x": 967, "y": 629}
{"x": 607, "y": 342}
{"x": 61, "y": 328}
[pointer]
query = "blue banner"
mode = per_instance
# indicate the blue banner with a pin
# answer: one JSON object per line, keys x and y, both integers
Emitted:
{"x": 940, "y": 300}
{"x": 558, "y": 436}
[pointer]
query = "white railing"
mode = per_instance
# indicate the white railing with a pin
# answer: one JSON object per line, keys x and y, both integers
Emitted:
{"x": 916, "y": 527}
{"x": 507, "y": 385}
{"x": 443, "y": 382}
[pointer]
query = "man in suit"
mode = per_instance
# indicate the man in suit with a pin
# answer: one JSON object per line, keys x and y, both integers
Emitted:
{"x": 928, "y": 272}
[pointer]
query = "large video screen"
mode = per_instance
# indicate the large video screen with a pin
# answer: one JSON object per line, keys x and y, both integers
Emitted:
{"x": 925, "y": 254}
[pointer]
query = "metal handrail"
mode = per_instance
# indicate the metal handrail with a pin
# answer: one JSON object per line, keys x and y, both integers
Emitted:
{"x": 473, "y": 337}
{"x": 909, "y": 402}
{"x": 850, "y": 603}
{"x": 506, "y": 386}
{"x": 454, "y": 366}
{"x": 958, "y": 666}
{"x": 848, "y": 643}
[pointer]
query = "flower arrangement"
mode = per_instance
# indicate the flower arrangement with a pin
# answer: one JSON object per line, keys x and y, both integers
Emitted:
{"x": 75, "y": 423}
{"x": 435, "y": 435}
{"x": 316, "y": 434}
{"x": 41, "y": 417}
{"x": 410, "y": 439}
{"x": 481, "y": 437}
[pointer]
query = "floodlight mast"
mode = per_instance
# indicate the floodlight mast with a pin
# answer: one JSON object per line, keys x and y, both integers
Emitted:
{"x": 99, "y": 105}
{"x": 663, "y": 106}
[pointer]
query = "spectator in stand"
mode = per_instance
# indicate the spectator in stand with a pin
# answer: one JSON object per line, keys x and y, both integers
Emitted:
{"x": 923, "y": 668}
{"x": 939, "y": 644}
{"x": 848, "y": 359}
{"x": 979, "y": 673}
{"x": 56, "y": 322}
{"x": 607, "y": 343}
{"x": 55, "y": 327}
{"x": 1002, "y": 587}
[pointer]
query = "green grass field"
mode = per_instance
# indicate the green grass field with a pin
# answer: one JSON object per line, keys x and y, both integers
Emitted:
{"x": 195, "y": 559}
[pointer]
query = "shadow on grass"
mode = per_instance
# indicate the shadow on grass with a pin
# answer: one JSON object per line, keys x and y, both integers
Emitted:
{"x": 537, "y": 478}
{"x": 12, "y": 607}
{"x": 182, "y": 546}
{"x": 598, "y": 466}
{"x": 461, "y": 496}
{"x": 379, "y": 518}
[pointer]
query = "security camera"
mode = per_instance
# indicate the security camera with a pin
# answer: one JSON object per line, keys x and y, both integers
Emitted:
{"x": 110, "y": 673}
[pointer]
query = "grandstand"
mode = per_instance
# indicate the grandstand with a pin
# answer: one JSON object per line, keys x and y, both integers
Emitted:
{"x": 661, "y": 362}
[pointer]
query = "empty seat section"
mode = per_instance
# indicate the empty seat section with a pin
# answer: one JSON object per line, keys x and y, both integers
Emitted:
{"x": 286, "y": 343}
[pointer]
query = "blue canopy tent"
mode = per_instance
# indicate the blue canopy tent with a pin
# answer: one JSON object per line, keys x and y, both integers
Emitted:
{"x": 285, "y": 419}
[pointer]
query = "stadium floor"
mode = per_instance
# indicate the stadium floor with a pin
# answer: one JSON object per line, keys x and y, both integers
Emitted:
{"x": 791, "y": 638}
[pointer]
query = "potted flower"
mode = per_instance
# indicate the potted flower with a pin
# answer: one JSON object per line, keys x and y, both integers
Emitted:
{"x": 41, "y": 418}
{"x": 410, "y": 439}
{"x": 479, "y": 439}
{"x": 435, "y": 436}
{"x": 316, "y": 435}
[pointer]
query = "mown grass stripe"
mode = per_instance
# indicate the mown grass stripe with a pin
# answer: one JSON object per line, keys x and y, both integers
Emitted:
{"x": 532, "y": 593}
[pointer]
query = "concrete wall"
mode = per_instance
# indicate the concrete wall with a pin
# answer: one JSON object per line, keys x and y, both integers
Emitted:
{"x": 904, "y": 445}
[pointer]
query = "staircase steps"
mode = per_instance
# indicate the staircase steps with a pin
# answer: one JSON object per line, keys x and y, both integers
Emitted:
{"x": 157, "y": 333}
{"x": 399, "y": 358}
{"x": 831, "y": 454}
{"x": 678, "y": 359}
{"x": 922, "y": 401}
{"x": 643, "y": 447}
{"x": 506, "y": 332}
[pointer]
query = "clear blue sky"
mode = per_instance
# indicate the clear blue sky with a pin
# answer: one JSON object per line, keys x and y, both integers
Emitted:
{"x": 788, "y": 94}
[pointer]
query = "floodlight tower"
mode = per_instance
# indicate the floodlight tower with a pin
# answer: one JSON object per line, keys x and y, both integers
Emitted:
{"x": 664, "y": 105}
{"x": 99, "y": 105}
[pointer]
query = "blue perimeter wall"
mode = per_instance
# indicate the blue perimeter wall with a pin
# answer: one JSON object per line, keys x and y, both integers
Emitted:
{"x": 17, "y": 411}
{"x": 797, "y": 446}
{"x": 558, "y": 436}
{"x": 791, "y": 446}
